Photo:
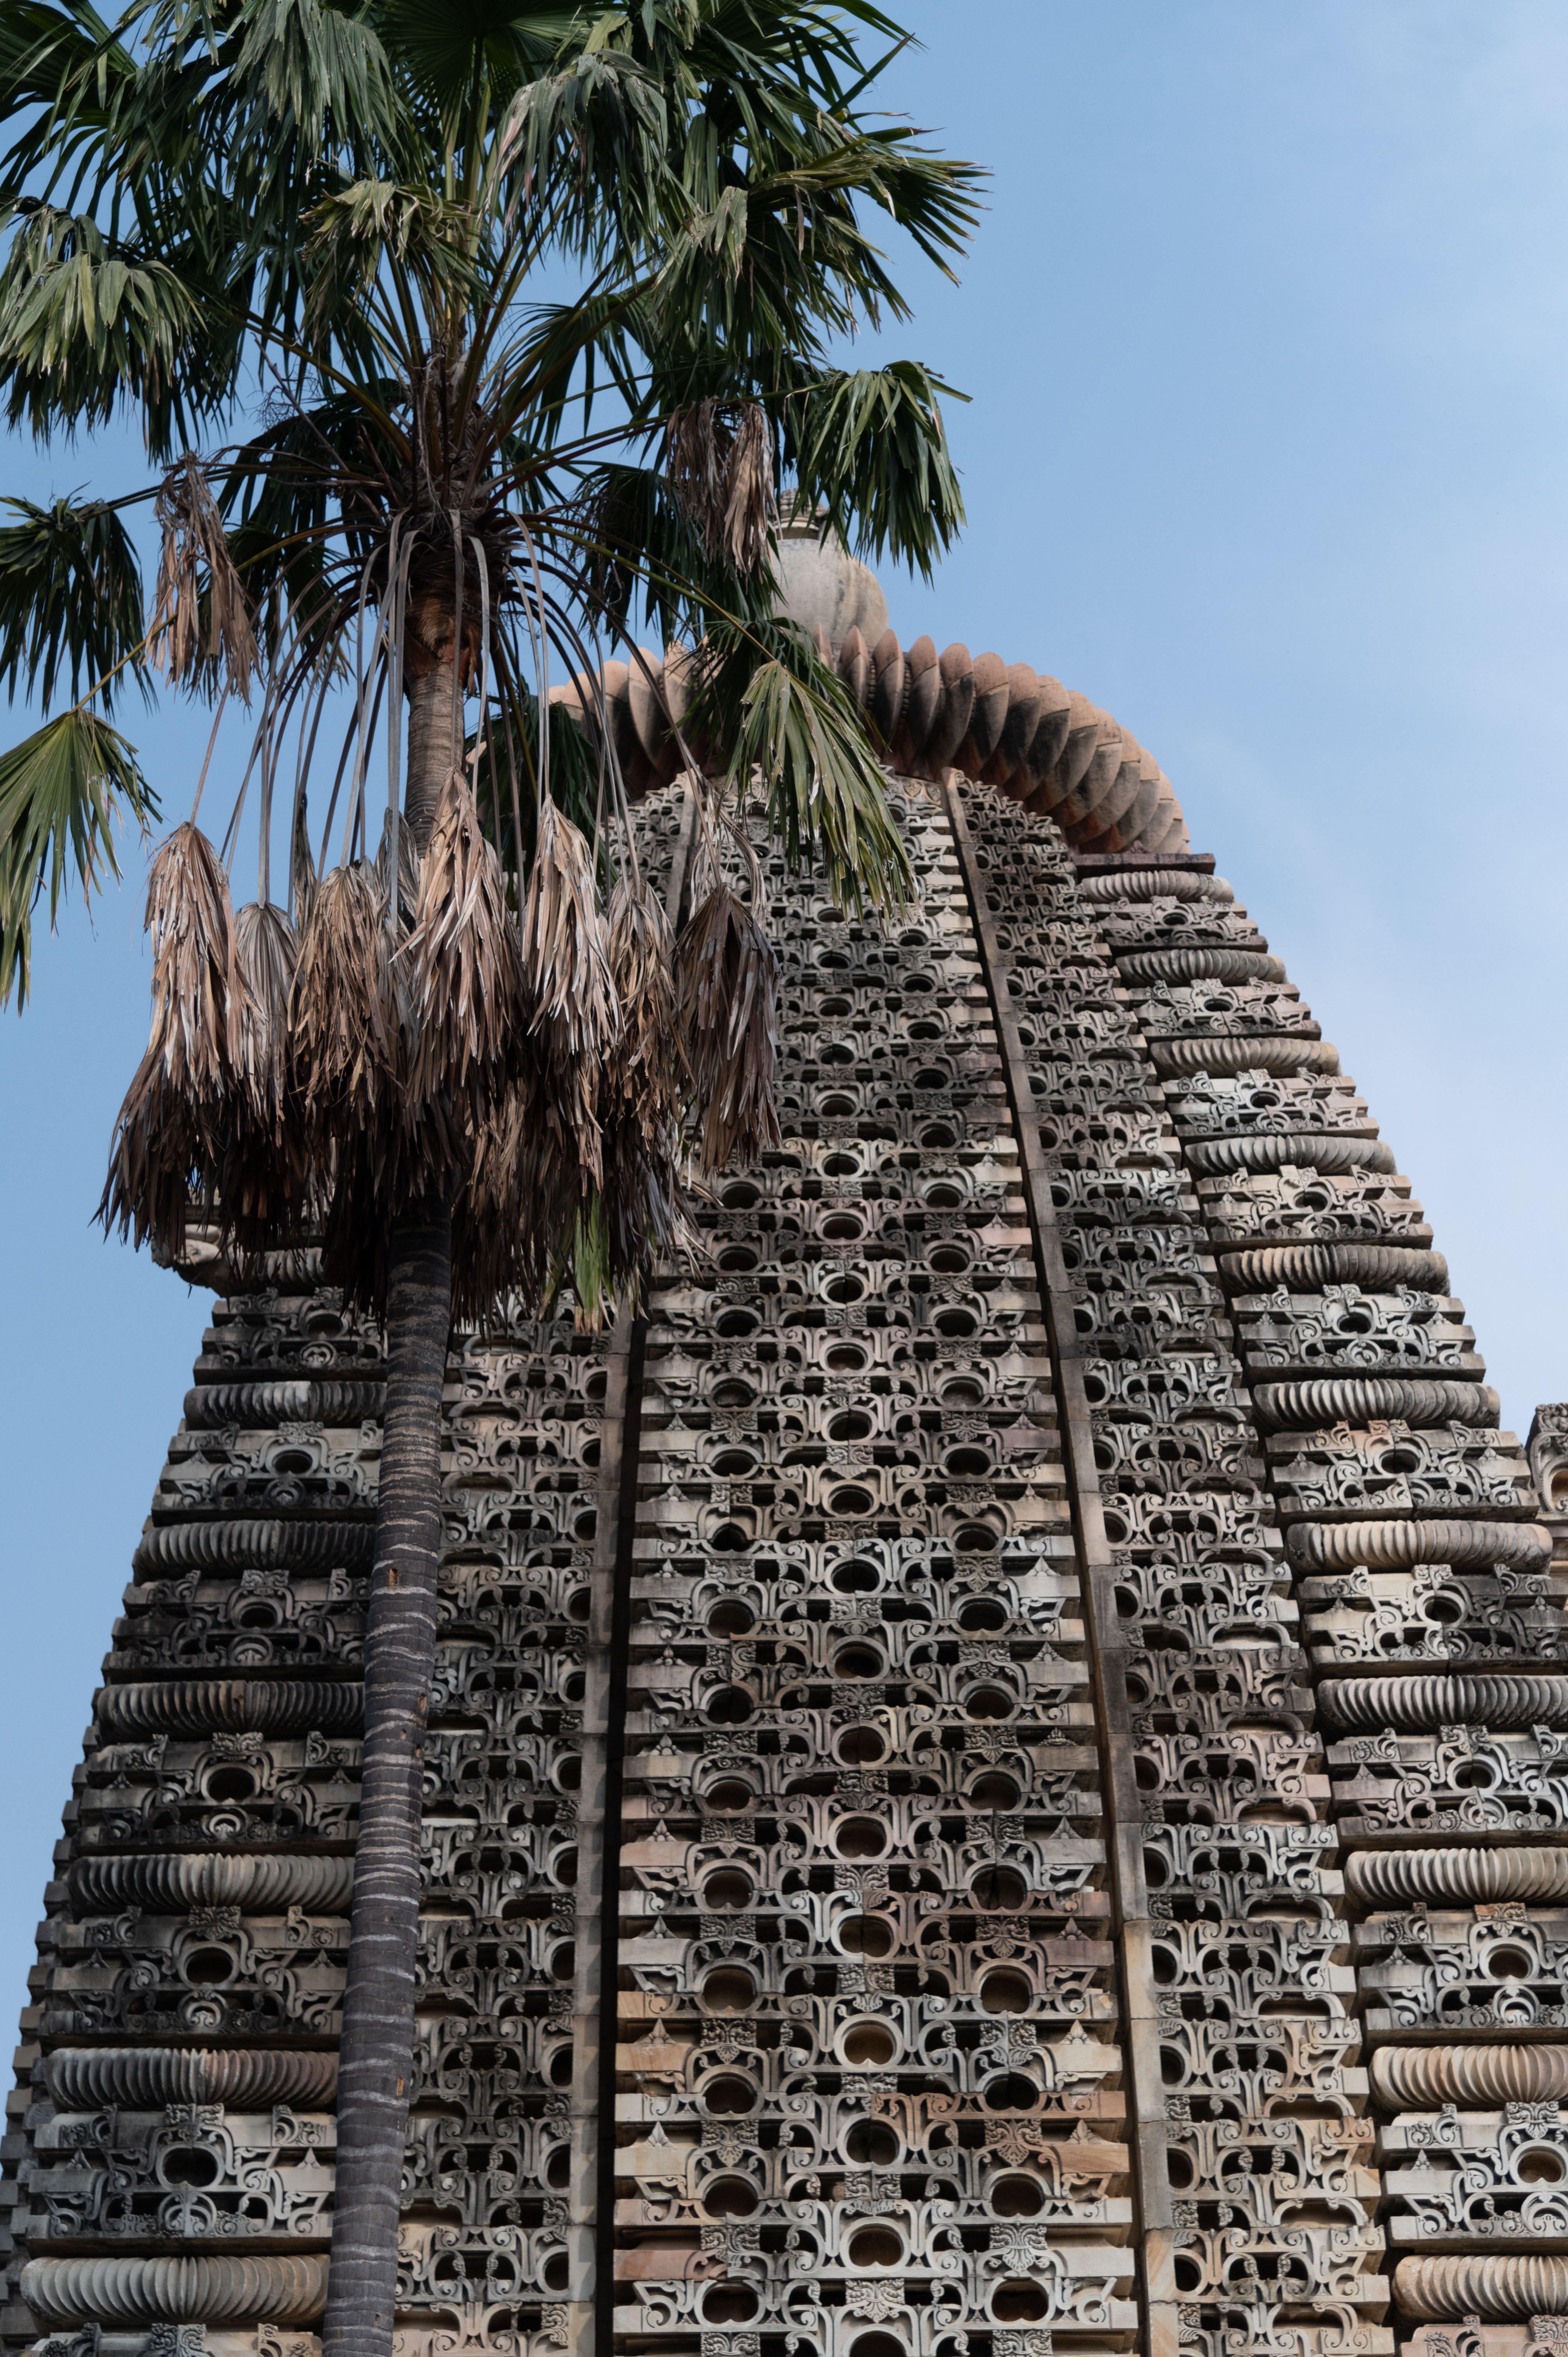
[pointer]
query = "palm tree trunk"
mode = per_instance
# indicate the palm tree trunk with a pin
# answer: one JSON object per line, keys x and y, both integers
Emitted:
{"x": 431, "y": 722}
{"x": 375, "y": 2067}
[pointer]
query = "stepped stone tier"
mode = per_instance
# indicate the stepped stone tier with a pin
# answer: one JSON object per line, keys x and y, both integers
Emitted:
{"x": 997, "y": 1782}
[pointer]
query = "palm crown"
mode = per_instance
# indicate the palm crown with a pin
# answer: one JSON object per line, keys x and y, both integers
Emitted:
{"x": 454, "y": 487}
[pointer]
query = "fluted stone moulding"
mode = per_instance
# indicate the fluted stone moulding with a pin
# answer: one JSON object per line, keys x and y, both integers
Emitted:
{"x": 1040, "y": 743}
{"x": 1316, "y": 1401}
{"x": 178, "y": 1885}
{"x": 1494, "y": 2285}
{"x": 193, "y": 1706}
{"x": 128, "y": 2291}
{"x": 1456, "y": 1877}
{"x": 1424, "y": 2078}
{"x": 1515, "y": 1699}
{"x": 142, "y": 2078}
{"x": 1291, "y": 1149}
{"x": 1389, "y": 1545}
{"x": 1307, "y": 1267}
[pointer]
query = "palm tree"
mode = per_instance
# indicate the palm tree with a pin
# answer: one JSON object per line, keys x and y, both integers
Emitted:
{"x": 523, "y": 317}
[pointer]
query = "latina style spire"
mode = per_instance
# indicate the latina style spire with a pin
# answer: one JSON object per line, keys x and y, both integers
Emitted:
{"x": 993, "y": 1782}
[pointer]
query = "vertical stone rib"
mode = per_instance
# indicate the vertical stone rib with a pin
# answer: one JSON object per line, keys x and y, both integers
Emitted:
{"x": 872, "y": 2081}
{"x": 1273, "y": 2233}
{"x": 598, "y": 1845}
{"x": 1128, "y": 1892}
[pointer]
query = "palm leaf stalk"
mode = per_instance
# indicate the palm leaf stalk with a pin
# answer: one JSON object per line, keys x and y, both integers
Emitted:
{"x": 476, "y": 1064}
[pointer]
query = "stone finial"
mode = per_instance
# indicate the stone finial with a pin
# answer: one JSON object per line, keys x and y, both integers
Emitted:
{"x": 823, "y": 587}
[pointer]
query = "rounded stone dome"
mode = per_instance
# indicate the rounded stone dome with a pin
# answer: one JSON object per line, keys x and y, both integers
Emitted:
{"x": 823, "y": 585}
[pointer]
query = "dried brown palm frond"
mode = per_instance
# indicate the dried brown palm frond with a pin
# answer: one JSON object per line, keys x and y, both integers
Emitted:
{"x": 194, "y": 544}
{"x": 376, "y": 1172}
{"x": 266, "y": 952}
{"x": 377, "y": 1148}
{"x": 720, "y": 467}
{"x": 301, "y": 865}
{"x": 643, "y": 1100}
{"x": 191, "y": 921}
{"x": 500, "y": 1224}
{"x": 499, "y": 1150}
{"x": 727, "y": 984}
{"x": 264, "y": 1180}
{"x": 407, "y": 871}
{"x": 573, "y": 1015}
{"x": 530, "y": 1219}
{"x": 650, "y": 1071}
{"x": 749, "y": 511}
{"x": 158, "y": 1160}
{"x": 174, "y": 1110}
{"x": 570, "y": 989}
{"x": 348, "y": 1049}
{"x": 694, "y": 449}
{"x": 647, "y": 1212}
{"x": 463, "y": 963}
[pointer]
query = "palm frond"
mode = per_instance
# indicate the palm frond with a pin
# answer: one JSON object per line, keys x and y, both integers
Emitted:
{"x": 61, "y": 790}
{"x": 601, "y": 123}
{"x": 310, "y": 73}
{"x": 720, "y": 465}
{"x": 266, "y": 952}
{"x": 283, "y": 493}
{"x": 869, "y": 446}
{"x": 63, "y": 76}
{"x": 635, "y": 535}
{"x": 201, "y": 621}
{"x": 650, "y": 1073}
{"x": 727, "y": 980}
{"x": 792, "y": 726}
{"x": 374, "y": 227}
{"x": 572, "y": 1014}
{"x": 87, "y": 322}
{"x": 348, "y": 1051}
{"x": 436, "y": 47}
{"x": 464, "y": 967}
{"x": 172, "y": 1121}
{"x": 263, "y": 1176}
{"x": 408, "y": 873}
{"x": 70, "y": 600}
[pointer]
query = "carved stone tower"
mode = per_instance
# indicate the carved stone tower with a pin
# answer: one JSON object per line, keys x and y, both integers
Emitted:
{"x": 997, "y": 1782}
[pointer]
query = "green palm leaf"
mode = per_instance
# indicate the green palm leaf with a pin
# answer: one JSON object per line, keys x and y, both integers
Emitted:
{"x": 70, "y": 598}
{"x": 86, "y": 321}
{"x": 60, "y": 792}
{"x": 791, "y": 723}
{"x": 868, "y": 444}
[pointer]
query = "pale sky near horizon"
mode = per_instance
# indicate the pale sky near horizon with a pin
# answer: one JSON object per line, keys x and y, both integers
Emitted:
{"x": 1266, "y": 336}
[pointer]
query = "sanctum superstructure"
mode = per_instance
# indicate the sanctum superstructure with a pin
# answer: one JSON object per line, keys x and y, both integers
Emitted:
{"x": 998, "y": 1782}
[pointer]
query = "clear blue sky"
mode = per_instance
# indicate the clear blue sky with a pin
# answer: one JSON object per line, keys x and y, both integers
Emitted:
{"x": 1266, "y": 334}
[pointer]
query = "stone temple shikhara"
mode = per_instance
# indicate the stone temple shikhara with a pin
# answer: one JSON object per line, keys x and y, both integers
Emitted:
{"x": 997, "y": 1780}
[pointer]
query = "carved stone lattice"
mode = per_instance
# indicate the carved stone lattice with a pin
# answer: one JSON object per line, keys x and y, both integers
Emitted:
{"x": 886, "y": 1885}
